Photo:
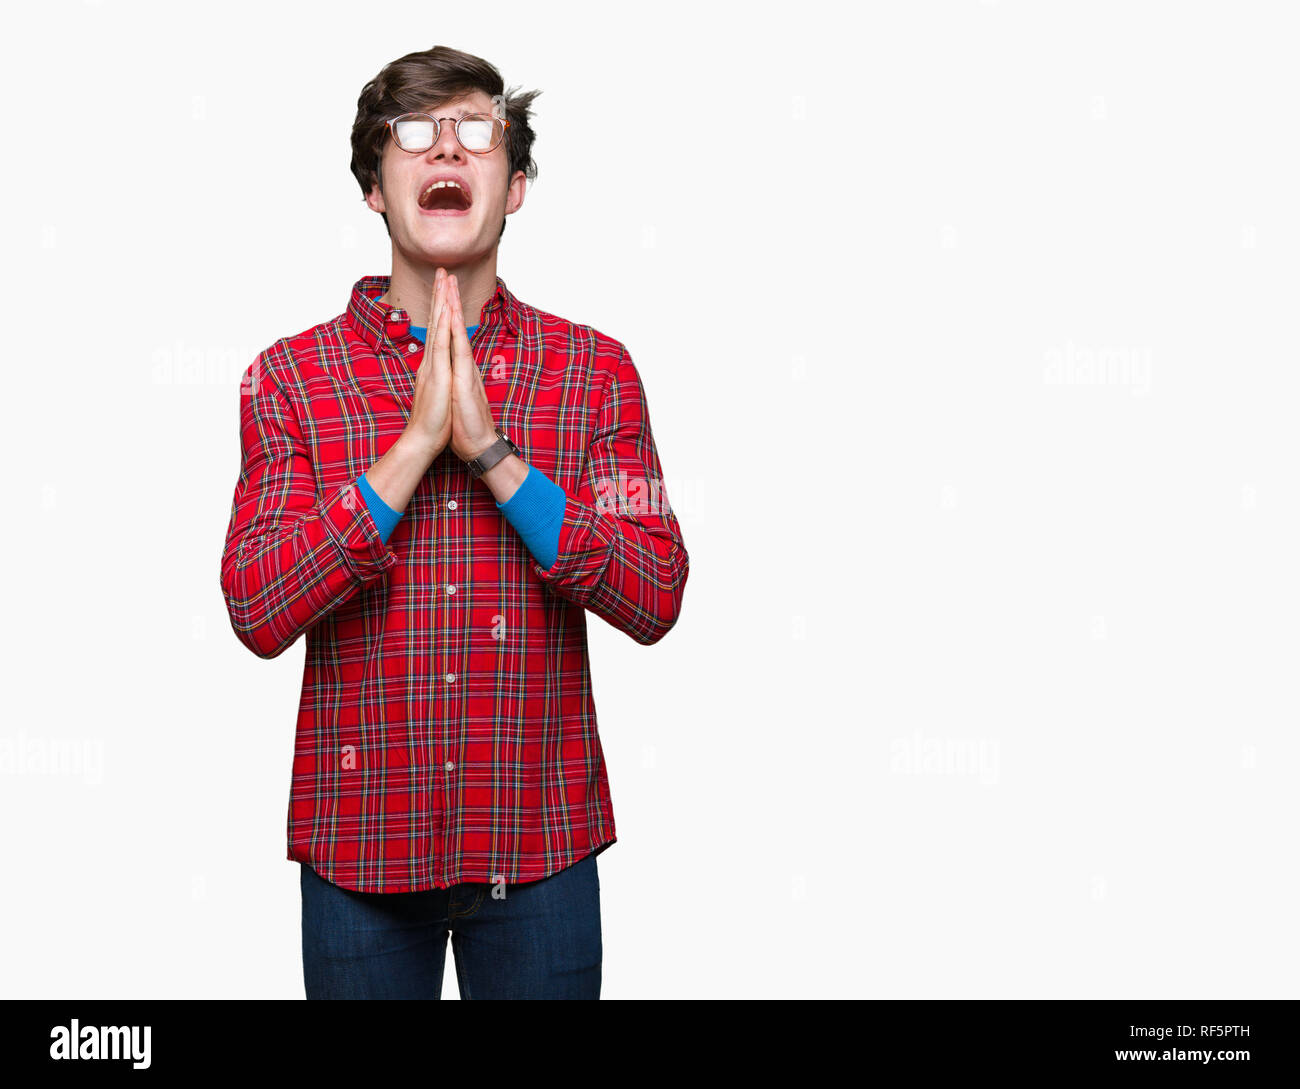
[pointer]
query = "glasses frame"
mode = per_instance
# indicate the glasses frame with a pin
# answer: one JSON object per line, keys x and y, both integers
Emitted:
{"x": 437, "y": 131}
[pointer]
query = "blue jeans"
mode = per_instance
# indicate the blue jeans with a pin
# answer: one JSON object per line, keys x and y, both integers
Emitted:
{"x": 541, "y": 940}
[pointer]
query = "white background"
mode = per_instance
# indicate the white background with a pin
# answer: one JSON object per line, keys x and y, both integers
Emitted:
{"x": 969, "y": 335}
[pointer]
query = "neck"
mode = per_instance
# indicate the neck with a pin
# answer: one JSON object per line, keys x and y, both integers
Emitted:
{"x": 411, "y": 287}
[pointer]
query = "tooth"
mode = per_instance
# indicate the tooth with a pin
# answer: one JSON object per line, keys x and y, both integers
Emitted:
{"x": 440, "y": 185}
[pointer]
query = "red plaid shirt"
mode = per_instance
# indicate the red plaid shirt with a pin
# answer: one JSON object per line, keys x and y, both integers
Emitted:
{"x": 446, "y": 730}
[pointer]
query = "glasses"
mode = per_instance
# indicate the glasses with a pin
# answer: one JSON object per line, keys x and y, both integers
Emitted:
{"x": 477, "y": 132}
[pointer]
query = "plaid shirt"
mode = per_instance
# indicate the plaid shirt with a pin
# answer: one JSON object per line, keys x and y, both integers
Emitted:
{"x": 446, "y": 730}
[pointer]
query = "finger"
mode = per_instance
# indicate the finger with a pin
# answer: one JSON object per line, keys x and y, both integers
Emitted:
{"x": 439, "y": 296}
{"x": 453, "y": 294}
{"x": 442, "y": 341}
{"x": 436, "y": 306}
{"x": 461, "y": 353}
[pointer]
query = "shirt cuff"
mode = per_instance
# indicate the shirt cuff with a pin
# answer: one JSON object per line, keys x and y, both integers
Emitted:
{"x": 385, "y": 517}
{"x": 536, "y": 510}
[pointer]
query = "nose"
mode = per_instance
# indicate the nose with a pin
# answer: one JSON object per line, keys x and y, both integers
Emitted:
{"x": 447, "y": 145}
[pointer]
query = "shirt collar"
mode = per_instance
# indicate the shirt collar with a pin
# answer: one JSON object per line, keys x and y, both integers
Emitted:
{"x": 377, "y": 324}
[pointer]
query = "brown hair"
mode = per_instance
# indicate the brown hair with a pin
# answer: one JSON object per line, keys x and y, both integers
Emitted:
{"x": 420, "y": 81}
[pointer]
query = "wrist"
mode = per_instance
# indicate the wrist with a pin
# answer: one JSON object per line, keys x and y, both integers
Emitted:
{"x": 482, "y": 446}
{"x": 504, "y": 478}
{"x": 418, "y": 446}
{"x": 491, "y": 455}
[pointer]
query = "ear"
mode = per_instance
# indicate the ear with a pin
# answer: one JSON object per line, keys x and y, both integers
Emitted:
{"x": 375, "y": 199}
{"x": 515, "y": 192}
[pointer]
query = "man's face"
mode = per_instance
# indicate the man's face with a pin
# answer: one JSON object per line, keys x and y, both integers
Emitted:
{"x": 435, "y": 227}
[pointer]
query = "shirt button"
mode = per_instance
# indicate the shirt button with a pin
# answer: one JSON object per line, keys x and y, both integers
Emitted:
{"x": 451, "y": 678}
{"x": 412, "y": 347}
{"x": 451, "y": 589}
{"x": 450, "y": 765}
{"x": 451, "y": 504}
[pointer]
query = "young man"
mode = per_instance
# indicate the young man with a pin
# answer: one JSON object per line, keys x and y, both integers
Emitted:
{"x": 436, "y": 514}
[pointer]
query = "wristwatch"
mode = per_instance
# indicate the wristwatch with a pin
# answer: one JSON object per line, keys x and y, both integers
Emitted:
{"x": 503, "y": 447}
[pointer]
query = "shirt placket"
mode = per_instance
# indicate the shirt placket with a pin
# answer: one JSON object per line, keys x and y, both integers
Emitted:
{"x": 449, "y": 581}
{"x": 449, "y": 634}
{"x": 443, "y": 727}
{"x": 453, "y": 564}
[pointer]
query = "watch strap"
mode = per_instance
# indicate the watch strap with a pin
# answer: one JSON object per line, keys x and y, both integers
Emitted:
{"x": 502, "y": 448}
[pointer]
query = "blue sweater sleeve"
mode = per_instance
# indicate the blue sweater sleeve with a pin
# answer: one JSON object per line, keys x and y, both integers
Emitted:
{"x": 385, "y": 517}
{"x": 536, "y": 510}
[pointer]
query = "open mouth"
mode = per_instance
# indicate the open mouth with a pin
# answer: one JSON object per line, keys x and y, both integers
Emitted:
{"x": 445, "y": 195}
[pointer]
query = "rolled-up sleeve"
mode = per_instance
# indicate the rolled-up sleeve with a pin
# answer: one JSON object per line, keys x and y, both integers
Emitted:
{"x": 621, "y": 554}
{"x": 290, "y": 556}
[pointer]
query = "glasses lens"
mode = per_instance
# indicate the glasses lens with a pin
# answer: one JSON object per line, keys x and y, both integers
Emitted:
{"x": 414, "y": 132}
{"x": 479, "y": 132}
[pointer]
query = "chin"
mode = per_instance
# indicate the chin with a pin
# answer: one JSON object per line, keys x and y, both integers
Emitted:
{"x": 445, "y": 247}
